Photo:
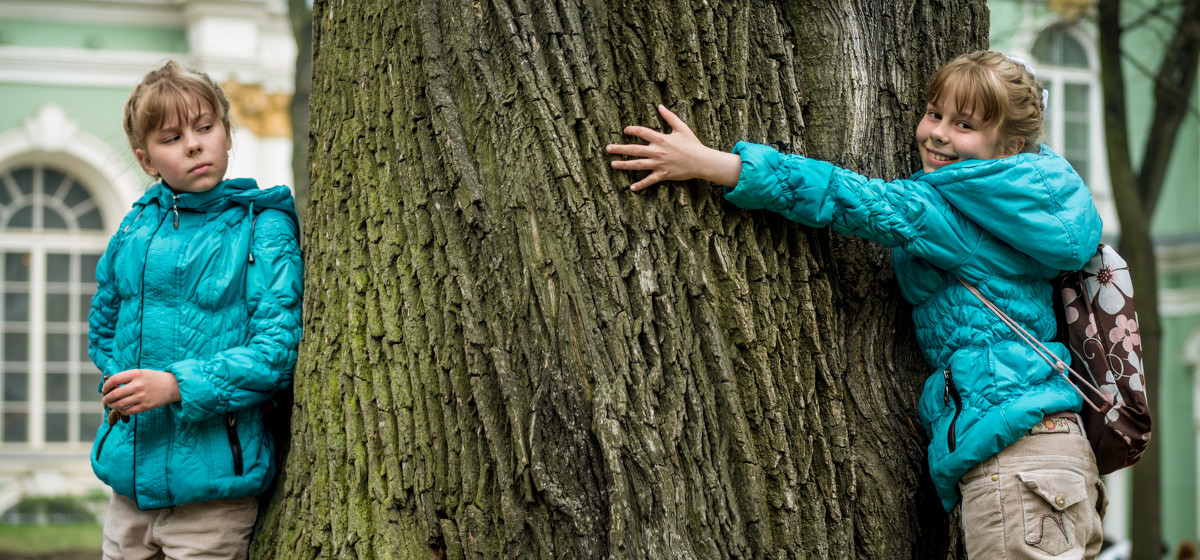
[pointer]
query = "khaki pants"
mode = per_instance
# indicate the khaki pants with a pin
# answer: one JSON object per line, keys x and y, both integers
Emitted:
{"x": 1039, "y": 498}
{"x": 218, "y": 529}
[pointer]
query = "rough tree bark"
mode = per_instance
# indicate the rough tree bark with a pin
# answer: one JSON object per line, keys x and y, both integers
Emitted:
{"x": 507, "y": 354}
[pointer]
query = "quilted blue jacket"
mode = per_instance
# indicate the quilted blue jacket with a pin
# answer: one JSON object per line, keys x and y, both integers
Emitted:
{"x": 206, "y": 286}
{"x": 1007, "y": 226}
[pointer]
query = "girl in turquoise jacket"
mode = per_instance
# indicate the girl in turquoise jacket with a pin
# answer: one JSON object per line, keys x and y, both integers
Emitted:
{"x": 991, "y": 206}
{"x": 195, "y": 326}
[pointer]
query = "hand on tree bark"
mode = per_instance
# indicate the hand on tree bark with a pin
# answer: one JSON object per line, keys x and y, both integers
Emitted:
{"x": 677, "y": 156}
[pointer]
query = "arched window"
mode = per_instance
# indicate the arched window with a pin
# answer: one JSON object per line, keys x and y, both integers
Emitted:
{"x": 1073, "y": 116}
{"x": 51, "y": 237}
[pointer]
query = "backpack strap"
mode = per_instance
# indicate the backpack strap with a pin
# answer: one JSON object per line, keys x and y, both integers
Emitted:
{"x": 1060, "y": 366}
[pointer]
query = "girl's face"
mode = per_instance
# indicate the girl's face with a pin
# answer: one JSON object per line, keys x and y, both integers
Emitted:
{"x": 946, "y": 136}
{"x": 190, "y": 156}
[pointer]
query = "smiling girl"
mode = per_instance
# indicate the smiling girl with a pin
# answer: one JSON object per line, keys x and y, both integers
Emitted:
{"x": 194, "y": 325}
{"x": 990, "y": 206}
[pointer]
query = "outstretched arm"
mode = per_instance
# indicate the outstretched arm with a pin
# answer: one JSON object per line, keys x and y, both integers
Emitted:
{"x": 677, "y": 156}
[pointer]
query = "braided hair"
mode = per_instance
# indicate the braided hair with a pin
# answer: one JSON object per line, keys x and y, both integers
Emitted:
{"x": 1001, "y": 91}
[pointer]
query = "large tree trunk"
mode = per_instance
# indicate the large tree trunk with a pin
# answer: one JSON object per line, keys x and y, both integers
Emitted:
{"x": 508, "y": 354}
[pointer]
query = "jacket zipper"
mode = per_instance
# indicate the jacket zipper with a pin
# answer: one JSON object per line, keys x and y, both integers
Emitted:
{"x": 235, "y": 443}
{"x": 141, "y": 339}
{"x": 100, "y": 446}
{"x": 951, "y": 391}
{"x": 175, "y": 210}
{"x": 142, "y": 295}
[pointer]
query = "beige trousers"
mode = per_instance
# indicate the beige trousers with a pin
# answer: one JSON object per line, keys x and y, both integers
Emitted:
{"x": 1039, "y": 498}
{"x": 213, "y": 530}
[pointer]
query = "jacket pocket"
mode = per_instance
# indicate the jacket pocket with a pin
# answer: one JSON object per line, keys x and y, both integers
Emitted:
{"x": 1050, "y": 505}
{"x": 1102, "y": 499}
{"x": 950, "y": 393}
{"x": 235, "y": 442}
{"x": 104, "y": 438}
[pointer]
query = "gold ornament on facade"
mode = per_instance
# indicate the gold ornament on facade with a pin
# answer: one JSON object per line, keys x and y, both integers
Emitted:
{"x": 1070, "y": 9}
{"x": 263, "y": 114}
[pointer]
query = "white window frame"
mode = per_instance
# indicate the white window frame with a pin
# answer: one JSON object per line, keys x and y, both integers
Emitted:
{"x": 50, "y": 138}
{"x": 39, "y": 243}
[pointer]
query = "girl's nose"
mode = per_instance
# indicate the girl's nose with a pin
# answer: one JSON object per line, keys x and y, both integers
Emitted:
{"x": 193, "y": 145}
{"x": 939, "y": 133}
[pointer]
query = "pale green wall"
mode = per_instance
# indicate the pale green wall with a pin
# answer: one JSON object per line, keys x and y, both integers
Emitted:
{"x": 1182, "y": 215}
{"x": 1176, "y": 217}
{"x": 1143, "y": 46}
{"x": 91, "y": 36}
{"x": 97, "y": 110}
{"x": 1174, "y": 432}
{"x": 1006, "y": 23}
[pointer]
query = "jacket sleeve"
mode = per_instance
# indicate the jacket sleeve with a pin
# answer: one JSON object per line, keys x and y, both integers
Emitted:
{"x": 106, "y": 303}
{"x": 102, "y": 319}
{"x": 243, "y": 376}
{"x": 908, "y": 214}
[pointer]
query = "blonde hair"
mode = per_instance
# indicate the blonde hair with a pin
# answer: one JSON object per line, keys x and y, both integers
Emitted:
{"x": 1002, "y": 92}
{"x": 164, "y": 92}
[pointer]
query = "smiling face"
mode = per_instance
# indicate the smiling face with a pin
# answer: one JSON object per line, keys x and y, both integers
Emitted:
{"x": 949, "y": 134}
{"x": 189, "y": 156}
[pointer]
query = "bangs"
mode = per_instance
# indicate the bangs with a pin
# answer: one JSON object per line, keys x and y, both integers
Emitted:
{"x": 170, "y": 98}
{"x": 974, "y": 88}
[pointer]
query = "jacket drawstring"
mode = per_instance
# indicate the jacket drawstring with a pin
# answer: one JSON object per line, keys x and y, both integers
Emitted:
{"x": 250, "y": 248}
{"x": 134, "y": 220}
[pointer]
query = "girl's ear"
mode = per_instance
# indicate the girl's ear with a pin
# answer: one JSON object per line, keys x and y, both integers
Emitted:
{"x": 1014, "y": 147}
{"x": 143, "y": 160}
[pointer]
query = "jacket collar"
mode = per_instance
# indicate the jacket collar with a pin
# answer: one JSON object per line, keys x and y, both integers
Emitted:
{"x": 233, "y": 193}
{"x": 212, "y": 199}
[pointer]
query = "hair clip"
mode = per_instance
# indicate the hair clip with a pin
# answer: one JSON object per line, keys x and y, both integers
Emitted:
{"x": 1028, "y": 68}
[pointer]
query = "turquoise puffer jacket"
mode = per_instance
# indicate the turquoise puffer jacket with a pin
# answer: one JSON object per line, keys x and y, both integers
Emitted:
{"x": 206, "y": 286}
{"x": 1007, "y": 226}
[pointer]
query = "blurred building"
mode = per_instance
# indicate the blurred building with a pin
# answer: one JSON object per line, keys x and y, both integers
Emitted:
{"x": 1059, "y": 38}
{"x": 67, "y": 176}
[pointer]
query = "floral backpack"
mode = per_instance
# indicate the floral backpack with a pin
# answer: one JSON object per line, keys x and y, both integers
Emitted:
{"x": 1097, "y": 321}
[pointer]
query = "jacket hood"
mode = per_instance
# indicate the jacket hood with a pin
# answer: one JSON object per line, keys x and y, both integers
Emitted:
{"x": 1036, "y": 203}
{"x": 232, "y": 192}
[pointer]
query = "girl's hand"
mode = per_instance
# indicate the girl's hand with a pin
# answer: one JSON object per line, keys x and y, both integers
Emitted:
{"x": 677, "y": 156}
{"x": 138, "y": 390}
